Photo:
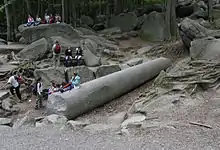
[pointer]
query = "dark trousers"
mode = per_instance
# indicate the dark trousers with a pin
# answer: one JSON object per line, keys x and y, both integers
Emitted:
{"x": 17, "y": 90}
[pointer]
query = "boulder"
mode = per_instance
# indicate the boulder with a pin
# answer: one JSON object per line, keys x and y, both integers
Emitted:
{"x": 106, "y": 70}
{"x": 50, "y": 74}
{"x": 35, "y": 51}
{"x": 191, "y": 29}
{"x": 26, "y": 121}
{"x": 117, "y": 118}
{"x": 99, "y": 26}
{"x": 85, "y": 31}
{"x": 86, "y": 20}
{"x": 35, "y": 33}
{"x": 154, "y": 28}
{"x": 5, "y": 121}
{"x": 75, "y": 125}
{"x": 97, "y": 92}
{"x": 125, "y": 21}
{"x": 144, "y": 50}
{"x": 111, "y": 31}
{"x": 134, "y": 62}
{"x": 3, "y": 42}
{"x": 184, "y": 2}
{"x": 53, "y": 119}
{"x": 3, "y": 95}
{"x": 205, "y": 48}
{"x": 133, "y": 121}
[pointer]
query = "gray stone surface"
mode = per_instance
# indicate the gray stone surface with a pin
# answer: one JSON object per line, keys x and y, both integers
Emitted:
{"x": 106, "y": 70}
{"x": 35, "y": 51}
{"x": 102, "y": 90}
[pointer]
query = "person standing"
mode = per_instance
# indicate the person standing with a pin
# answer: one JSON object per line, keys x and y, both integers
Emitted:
{"x": 39, "y": 94}
{"x": 56, "y": 54}
{"x": 68, "y": 57}
{"x": 13, "y": 80}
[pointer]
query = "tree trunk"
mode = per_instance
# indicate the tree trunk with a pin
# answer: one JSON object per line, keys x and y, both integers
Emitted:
{"x": 63, "y": 11}
{"x": 167, "y": 18}
{"x": 8, "y": 21}
{"x": 28, "y": 7}
{"x": 210, "y": 10}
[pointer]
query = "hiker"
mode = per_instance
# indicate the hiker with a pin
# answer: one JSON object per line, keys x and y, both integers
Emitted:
{"x": 37, "y": 20}
{"x": 13, "y": 80}
{"x": 56, "y": 53}
{"x": 58, "y": 18}
{"x": 53, "y": 88}
{"x": 46, "y": 18}
{"x": 68, "y": 57}
{"x": 79, "y": 54}
{"x": 39, "y": 93}
{"x": 74, "y": 83}
{"x": 51, "y": 19}
{"x": 30, "y": 21}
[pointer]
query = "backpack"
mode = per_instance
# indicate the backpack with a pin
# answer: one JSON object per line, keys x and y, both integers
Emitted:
{"x": 34, "y": 88}
{"x": 57, "y": 49}
{"x": 19, "y": 79}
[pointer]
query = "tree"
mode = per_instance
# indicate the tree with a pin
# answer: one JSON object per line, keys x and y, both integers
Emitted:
{"x": 210, "y": 10}
{"x": 7, "y": 20}
{"x": 170, "y": 18}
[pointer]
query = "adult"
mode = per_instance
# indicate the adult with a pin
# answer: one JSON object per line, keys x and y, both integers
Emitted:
{"x": 58, "y": 18}
{"x": 14, "y": 82}
{"x": 30, "y": 21}
{"x": 79, "y": 54}
{"x": 68, "y": 57}
{"x": 56, "y": 53}
{"x": 39, "y": 103}
{"x": 73, "y": 83}
{"x": 46, "y": 18}
{"x": 37, "y": 20}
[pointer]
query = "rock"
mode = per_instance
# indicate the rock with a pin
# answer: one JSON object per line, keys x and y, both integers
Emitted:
{"x": 3, "y": 42}
{"x": 102, "y": 90}
{"x": 125, "y": 21}
{"x": 133, "y": 33}
{"x": 50, "y": 74}
{"x": 99, "y": 127}
{"x": 14, "y": 63}
{"x": 184, "y": 11}
{"x": 6, "y": 104}
{"x": 106, "y": 70}
{"x": 5, "y": 128}
{"x": 154, "y": 28}
{"x": 75, "y": 125}
{"x": 112, "y": 53}
{"x": 111, "y": 31}
{"x": 86, "y": 20}
{"x": 190, "y": 30}
{"x": 6, "y": 49}
{"x": 6, "y": 121}
{"x": 85, "y": 31}
{"x": 123, "y": 66}
{"x": 184, "y": 2}
{"x": 134, "y": 62}
{"x": 133, "y": 121}
{"x": 54, "y": 119}
{"x": 117, "y": 118}
{"x": 144, "y": 50}
{"x": 205, "y": 48}
{"x": 35, "y": 51}
{"x": 122, "y": 36}
{"x": 99, "y": 26}
{"x": 101, "y": 18}
{"x": 35, "y": 33}
{"x": 3, "y": 95}
{"x": 22, "y": 40}
{"x": 26, "y": 121}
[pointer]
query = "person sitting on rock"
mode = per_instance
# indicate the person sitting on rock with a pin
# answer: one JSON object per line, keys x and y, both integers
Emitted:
{"x": 53, "y": 88}
{"x": 79, "y": 54}
{"x": 68, "y": 57}
{"x": 74, "y": 83}
{"x": 52, "y": 19}
{"x": 30, "y": 21}
{"x": 37, "y": 20}
{"x": 46, "y": 18}
{"x": 56, "y": 53}
{"x": 58, "y": 18}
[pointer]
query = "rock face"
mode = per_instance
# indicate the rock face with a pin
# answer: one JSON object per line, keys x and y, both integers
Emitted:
{"x": 102, "y": 90}
{"x": 153, "y": 28}
{"x": 35, "y": 33}
{"x": 206, "y": 48}
{"x": 86, "y": 20}
{"x": 126, "y": 21}
{"x": 35, "y": 51}
{"x": 50, "y": 74}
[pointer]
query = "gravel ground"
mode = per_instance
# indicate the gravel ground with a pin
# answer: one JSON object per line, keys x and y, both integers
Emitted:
{"x": 167, "y": 138}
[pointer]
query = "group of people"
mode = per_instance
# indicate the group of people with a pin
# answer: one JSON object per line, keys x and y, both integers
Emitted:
{"x": 56, "y": 49}
{"x": 16, "y": 80}
{"x": 48, "y": 19}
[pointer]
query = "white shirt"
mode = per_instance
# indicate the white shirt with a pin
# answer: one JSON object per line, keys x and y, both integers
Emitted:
{"x": 39, "y": 88}
{"x": 13, "y": 81}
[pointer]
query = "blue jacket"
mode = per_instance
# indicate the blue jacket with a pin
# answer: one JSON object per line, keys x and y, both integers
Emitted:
{"x": 76, "y": 81}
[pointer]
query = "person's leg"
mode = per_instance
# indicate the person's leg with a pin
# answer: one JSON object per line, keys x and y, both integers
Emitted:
{"x": 12, "y": 90}
{"x": 54, "y": 61}
{"x": 58, "y": 60}
{"x": 17, "y": 89}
